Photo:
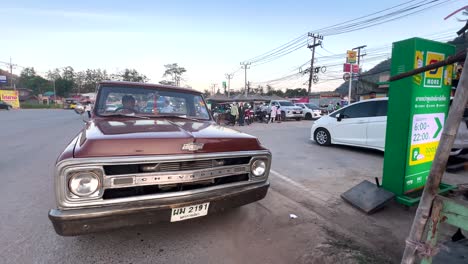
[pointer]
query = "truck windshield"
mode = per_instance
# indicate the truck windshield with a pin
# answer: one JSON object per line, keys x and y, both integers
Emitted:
{"x": 150, "y": 102}
{"x": 312, "y": 106}
{"x": 285, "y": 103}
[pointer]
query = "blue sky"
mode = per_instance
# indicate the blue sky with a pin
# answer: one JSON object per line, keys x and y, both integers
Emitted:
{"x": 209, "y": 38}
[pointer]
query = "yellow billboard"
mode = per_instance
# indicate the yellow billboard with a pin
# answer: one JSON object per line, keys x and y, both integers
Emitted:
{"x": 351, "y": 56}
{"x": 10, "y": 97}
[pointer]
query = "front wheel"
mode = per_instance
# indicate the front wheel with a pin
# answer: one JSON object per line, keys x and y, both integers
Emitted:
{"x": 322, "y": 137}
{"x": 308, "y": 116}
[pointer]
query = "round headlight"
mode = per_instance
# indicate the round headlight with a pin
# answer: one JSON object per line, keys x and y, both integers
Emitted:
{"x": 84, "y": 183}
{"x": 258, "y": 168}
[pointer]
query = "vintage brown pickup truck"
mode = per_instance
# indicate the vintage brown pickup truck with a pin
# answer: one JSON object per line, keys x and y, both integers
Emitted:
{"x": 153, "y": 153}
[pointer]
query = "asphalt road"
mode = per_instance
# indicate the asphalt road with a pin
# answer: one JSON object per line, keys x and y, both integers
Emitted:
{"x": 306, "y": 180}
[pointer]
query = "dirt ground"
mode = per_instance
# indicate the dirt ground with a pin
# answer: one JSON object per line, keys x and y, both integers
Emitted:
{"x": 315, "y": 177}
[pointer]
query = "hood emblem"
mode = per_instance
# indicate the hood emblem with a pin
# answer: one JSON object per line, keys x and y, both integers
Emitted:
{"x": 192, "y": 146}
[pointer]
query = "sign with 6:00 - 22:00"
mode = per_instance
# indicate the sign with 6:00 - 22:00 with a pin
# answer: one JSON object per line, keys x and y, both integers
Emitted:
{"x": 425, "y": 136}
{"x": 417, "y": 109}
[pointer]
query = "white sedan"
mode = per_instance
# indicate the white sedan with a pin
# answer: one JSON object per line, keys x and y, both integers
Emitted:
{"x": 363, "y": 124}
{"x": 311, "y": 111}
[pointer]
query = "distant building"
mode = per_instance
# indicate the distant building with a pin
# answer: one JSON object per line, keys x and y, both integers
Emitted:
{"x": 27, "y": 96}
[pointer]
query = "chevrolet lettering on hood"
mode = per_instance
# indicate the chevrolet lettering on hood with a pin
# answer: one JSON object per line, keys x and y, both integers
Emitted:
{"x": 147, "y": 154}
{"x": 192, "y": 146}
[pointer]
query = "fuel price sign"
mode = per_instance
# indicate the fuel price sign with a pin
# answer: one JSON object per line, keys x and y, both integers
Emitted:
{"x": 425, "y": 136}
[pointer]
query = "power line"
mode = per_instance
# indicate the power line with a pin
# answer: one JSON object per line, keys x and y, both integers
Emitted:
{"x": 335, "y": 60}
{"x": 368, "y": 15}
{"x": 348, "y": 26}
{"x": 373, "y": 54}
{"x": 342, "y": 31}
{"x": 292, "y": 42}
{"x": 339, "y": 28}
{"x": 277, "y": 56}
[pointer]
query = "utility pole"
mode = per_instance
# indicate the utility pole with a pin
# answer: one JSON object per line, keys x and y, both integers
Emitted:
{"x": 11, "y": 65}
{"x": 312, "y": 47}
{"x": 213, "y": 88}
{"x": 229, "y": 77}
{"x": 55, "y": 95}
{"x": 245, "y": 66}
{"x": 359, "y": 53}
{"x": 358, "y": 62}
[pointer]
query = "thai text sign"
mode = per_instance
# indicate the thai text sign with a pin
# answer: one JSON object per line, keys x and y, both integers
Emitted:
{"x": 417, "y": 109}
{"x": 10, "y": 97}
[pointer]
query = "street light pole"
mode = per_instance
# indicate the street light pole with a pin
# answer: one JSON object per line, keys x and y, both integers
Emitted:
{"x": 55, "y": 94}
{"x": 350, "y": 84}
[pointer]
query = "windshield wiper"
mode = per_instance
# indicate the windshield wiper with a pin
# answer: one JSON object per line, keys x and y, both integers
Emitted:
{"x": 128, "y": 115}
{"x": 174, "y": 116}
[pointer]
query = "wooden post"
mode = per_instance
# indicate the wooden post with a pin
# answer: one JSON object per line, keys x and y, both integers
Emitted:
{"x": 438, "y": 166}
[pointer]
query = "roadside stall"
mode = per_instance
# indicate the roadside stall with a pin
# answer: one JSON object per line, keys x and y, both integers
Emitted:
{"x": 220, "y": 106}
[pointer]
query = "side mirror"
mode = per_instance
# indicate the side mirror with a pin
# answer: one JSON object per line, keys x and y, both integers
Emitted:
{"x": 85, "y": 118}
{"x": 79, "y": 109}
{"x": 339, "y": 117}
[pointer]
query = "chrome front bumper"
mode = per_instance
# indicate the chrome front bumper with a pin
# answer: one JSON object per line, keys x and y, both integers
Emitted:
{"x": 83, "y": 221}
{"x": 291, "y": 115}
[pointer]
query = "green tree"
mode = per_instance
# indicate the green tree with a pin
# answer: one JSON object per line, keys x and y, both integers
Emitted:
{"x": 165, "y": 82}
{"x": 130, "y": 75}
{"x": 91, "y": 78}
{"x": 63, "y": 80}
{"x": 63, "y": 87}
{"x": 79, "y": 81}
{"x": 29, "y": 79}
{"x": 28, "y": 72}
{"x": 53, "y": 74}
{"x": 273, "y": 91}
{"x": 258, "y": 90}
{"x": 298, "y": 92}
{"x": 269, "y": 90}
{"x": 206, "y": 93}
{"x": 68, "y": 73}
{"x": 174, "y": 72}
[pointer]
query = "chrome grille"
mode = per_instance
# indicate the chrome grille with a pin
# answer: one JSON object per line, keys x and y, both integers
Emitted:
{"x": 158, "y": 189}
{"x": 174, "y": 166}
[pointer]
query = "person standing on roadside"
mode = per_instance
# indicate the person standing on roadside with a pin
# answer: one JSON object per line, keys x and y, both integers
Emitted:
{"x": 272, "y": 114}
{"x": 330, "y": 107}
{"x": 278, "y": 114}
{"x": 88, "y": 109}
{"x": 338, "y": 106}
{"x": 234, "y": 113}
{"x": 241, "y": 114}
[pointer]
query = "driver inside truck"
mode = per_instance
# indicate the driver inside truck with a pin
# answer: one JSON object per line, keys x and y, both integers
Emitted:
{"x": 128, "y": 102}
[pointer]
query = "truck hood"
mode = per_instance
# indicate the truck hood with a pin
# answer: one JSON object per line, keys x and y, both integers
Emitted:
{"x": 133, "y": 137}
